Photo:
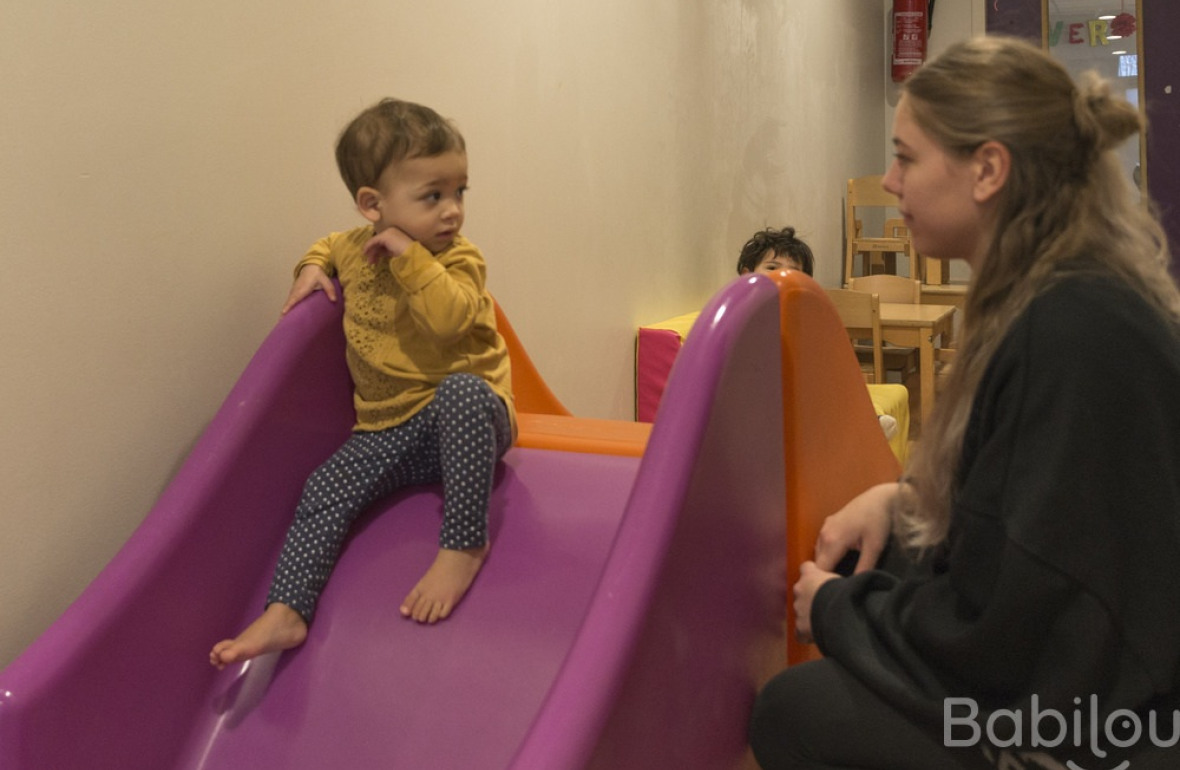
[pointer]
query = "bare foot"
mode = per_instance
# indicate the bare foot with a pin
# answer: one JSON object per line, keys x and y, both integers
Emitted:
{"x": 444, "y": 584}
{"x": 278, "y": 628}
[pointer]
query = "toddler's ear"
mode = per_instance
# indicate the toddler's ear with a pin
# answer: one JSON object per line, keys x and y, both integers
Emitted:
{"x": 368, "y": 202}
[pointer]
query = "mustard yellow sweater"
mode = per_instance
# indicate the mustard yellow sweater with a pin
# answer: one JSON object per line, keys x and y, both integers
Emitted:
{"x": 411, "y": 321}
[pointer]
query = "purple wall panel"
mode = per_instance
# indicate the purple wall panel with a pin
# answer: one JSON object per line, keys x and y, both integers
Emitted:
{"x": 1161, "y": 94}
{"x": 1019, "y": 18}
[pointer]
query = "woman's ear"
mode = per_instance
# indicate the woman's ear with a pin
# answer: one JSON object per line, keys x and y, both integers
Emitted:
{"x": 368, "y": 202}
{"x": 992, "y": 163}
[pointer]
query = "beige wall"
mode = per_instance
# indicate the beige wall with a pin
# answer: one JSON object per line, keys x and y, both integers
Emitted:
{"x": 162, "y": 165}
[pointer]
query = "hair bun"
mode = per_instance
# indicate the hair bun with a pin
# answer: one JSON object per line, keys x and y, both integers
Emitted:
{"x": 1104, "y": 121}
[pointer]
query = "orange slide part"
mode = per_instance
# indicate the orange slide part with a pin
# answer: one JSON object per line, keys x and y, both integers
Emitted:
{"x": 542, "y": 420}
{"x": 834, "y": 448}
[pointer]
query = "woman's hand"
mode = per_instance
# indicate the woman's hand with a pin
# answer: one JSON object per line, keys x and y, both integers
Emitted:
{"x": 811, "y": 578}
{"x": 311, "y": 278}
{"x": 861, "y": 525}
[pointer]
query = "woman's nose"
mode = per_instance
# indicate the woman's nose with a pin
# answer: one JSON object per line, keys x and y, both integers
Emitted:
{"x": 889, "y": 181}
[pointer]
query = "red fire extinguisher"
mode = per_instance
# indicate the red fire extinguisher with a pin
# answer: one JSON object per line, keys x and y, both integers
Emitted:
{"x": 910, "y": 24}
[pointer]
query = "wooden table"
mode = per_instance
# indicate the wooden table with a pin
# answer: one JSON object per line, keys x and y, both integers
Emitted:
{"x": 944, "y": 294}
{"x": 916, "y": 326}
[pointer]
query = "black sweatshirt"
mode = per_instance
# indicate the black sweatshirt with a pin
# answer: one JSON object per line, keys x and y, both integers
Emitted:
{"x": 1060, "y": 576}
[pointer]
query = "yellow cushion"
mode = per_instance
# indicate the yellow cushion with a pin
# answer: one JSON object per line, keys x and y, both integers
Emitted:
{"x": 894, "y": 400}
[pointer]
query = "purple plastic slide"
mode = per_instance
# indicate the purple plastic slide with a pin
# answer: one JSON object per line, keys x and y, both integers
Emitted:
{"x": 627, "y": 613}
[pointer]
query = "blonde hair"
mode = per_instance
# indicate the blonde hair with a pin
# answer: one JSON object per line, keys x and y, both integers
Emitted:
{"x": 387, "y": 133}
{"x": 1067, "y": 207}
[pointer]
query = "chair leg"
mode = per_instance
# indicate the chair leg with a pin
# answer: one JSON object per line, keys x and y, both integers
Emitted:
{"x": 935, "y": 271}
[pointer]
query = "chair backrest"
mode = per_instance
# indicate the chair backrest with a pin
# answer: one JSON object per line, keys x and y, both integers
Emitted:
{"x": 866, "y": 192}
{"x": 890, "y": 288}
{"x": 861, "y": 315}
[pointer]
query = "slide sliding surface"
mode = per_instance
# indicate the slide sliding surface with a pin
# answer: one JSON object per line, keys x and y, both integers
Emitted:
{"x": 626, "y": 615}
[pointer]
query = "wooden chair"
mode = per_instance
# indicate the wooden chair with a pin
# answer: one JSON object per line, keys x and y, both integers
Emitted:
{"x": 895, "y": 228}
{"x": 866, "y": 192}
{"x": 895, "y": 288}
{"x": 890, "y": 288}
{"x": 861, "y": 313}
{"x": 933, "y": 271}
{"x": 936, "y": 271}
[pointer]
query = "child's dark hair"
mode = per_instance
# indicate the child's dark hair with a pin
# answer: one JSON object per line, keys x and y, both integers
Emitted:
{"x": 784, "y": 244}
{"x": 389, "y": 132}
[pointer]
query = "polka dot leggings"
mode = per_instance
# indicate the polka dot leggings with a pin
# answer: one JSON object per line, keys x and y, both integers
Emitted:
{"x": 457, "y": 438}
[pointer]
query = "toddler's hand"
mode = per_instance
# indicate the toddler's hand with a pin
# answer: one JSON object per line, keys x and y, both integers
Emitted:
{"x": 311, "y": 278}
{"x": 390, "y": 242}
